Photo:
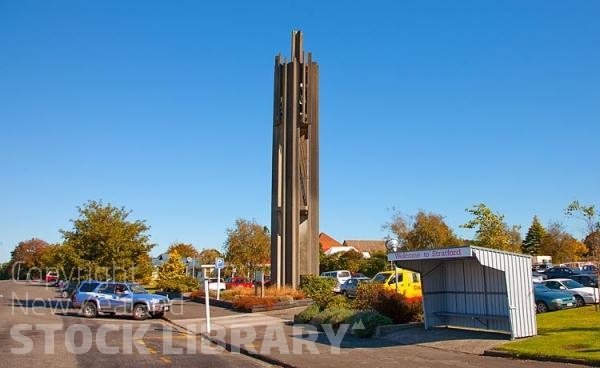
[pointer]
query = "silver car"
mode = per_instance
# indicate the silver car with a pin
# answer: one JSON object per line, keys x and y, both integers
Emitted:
{"x": 96, "y": 297}
{"x": 349, "y": 287}
{"x": 584, "y": 295}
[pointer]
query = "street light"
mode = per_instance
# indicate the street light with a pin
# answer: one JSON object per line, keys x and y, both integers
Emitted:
{"x": 393, "y": 245}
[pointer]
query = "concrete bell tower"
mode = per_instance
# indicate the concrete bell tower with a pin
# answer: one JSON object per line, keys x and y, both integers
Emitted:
{"x": 295, "y": 182}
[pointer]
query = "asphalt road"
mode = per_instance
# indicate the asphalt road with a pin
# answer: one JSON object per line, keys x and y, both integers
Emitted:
{"x": 37, "y": 329}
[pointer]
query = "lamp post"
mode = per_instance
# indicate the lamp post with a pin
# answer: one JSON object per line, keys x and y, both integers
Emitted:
{"x": 393, "y": 245}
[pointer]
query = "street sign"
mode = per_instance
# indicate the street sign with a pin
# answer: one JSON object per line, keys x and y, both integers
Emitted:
{"x": 220, "y": 263}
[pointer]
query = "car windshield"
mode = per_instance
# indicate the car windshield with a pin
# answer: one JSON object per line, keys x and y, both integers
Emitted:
{"x": 572, "y": 284}
{"x": 138, "y": 289}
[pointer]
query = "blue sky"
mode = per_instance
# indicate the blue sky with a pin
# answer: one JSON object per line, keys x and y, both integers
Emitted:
{"x": 164, "y": 108}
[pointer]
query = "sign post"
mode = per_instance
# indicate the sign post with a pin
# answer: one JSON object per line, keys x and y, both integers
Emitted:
{"x": 219, "y": 264}
{"x": 206, "y": 301}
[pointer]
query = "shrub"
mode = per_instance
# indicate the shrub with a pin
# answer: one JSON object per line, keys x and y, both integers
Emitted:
{"x": 245, "y": 303}
{"x": 306, "y": 315}
{"x": 366, "y": 296}
{"x": 319, "y": 289}
{"x": 183, "y": 284}
{"x": 370, "y": 320}
{"x": 373, "y": 297}
{"x": 339, "y": 301}
{"x": 333, "y": 316}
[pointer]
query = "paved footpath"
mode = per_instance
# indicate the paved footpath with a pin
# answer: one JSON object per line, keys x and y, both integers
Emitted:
{"x": 272, "y": 337}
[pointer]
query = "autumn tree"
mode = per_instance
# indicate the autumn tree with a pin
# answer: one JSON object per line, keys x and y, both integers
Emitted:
{"x": 248, "y": 245}
{"x": 592, "y": 242}
{"x": 422, "y": 231}
{"x": 533, "y": 239}
{"x": 490, "y": 229}
{"x": 592, "y": 220}
{"x": 209, "y": 256}
{"x": 26, "y": 256}
{"x": 184, "y": 250}
{"x": 561, "y": 246}
{"x": 108, "y": 245}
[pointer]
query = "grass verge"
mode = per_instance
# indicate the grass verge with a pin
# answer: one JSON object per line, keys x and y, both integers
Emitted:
{"x": 570, "y": 334}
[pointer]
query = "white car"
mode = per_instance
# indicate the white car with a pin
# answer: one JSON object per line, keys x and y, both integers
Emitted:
{"x": 583, "y": 294}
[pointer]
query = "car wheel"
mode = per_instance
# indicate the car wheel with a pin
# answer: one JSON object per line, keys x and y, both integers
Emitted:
{"x": 140, "y": 312}
{"x": 580, "y": 301}
{"x": 90, "y": 310}
{"x": 541, "y": 307}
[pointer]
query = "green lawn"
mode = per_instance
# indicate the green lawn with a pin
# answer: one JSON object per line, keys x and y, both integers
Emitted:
{"x": 572, "y": 333}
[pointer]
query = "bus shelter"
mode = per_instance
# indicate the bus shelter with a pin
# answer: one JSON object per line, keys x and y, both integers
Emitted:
{"x": 474, "y": 288}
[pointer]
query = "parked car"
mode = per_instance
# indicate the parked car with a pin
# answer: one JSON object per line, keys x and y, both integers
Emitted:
{"x": 67, "y": 289}
{"x": 547, "y": 299}
{"x": 538, "y": 276}
{"x": 234, "y": 282}
{"x": 99, "y": 297}
{"x": 349, "y": 287}
{"x": 560, "y": 272}
{"x": 409, "y": 282}
{"x": 589, "y": 268}
{"x": 582, "y": 294}
{"x": 51, "y": 277}
{"x": 586, "y": 280}
{"x": 266, "y": 283}
{"x": 340, "y": 276}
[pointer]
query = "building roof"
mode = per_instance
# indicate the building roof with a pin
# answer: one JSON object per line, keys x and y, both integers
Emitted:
{"x": 366, "y": 245}
{"x": 328, "y": 242}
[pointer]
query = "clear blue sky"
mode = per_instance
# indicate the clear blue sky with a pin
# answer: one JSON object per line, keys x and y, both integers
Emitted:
{"x": 164, "y": 108}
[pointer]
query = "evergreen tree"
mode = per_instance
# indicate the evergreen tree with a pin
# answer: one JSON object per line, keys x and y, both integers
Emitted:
{"x": 536, "y": 232}
{"x": 173, "y": 269}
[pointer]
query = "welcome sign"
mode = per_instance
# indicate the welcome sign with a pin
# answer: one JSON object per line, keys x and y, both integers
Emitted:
{"x": 431, "y": 254}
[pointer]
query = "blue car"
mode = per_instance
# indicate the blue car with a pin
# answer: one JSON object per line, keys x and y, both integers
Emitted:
{"x": 101, "y": 297}
{"x": 547, "y": 299}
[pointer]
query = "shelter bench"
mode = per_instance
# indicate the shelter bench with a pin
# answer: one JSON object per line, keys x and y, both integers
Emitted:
{"x": 478, "y": 317}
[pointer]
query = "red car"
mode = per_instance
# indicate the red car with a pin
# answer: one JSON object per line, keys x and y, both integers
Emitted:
{"x": 51, "y": 277}
{"x": 235, "y": 282}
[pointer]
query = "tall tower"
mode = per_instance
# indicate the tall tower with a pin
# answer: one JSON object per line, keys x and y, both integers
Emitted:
{"x": 295, "y": 182}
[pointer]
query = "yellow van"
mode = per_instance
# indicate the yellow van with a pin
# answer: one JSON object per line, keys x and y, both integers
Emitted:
{"x": 409, "y": 282}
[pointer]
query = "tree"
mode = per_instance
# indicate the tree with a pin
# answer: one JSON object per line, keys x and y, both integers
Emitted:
{"x": 533, "y": 239}
{"x": 173, "y": 269}
{"x": 491, "y": 231}
{"x": 592, "y": 221}
{"x": 248, "y": 245}
{"x": 592, "y": 242}
{"x": 104, "y": 243}
{"x": 184, "y": 250}
{"x": 422, "y": 231}
{"x": 27, "y": 255}
{"x": 561, "y": 246}
{"x": 351, "y": 261}
{"x": 172, "y": 276}
{"x": 376, "y": 263}
{"x": 209, "y": 256}
{"x": 328, "y": 262}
